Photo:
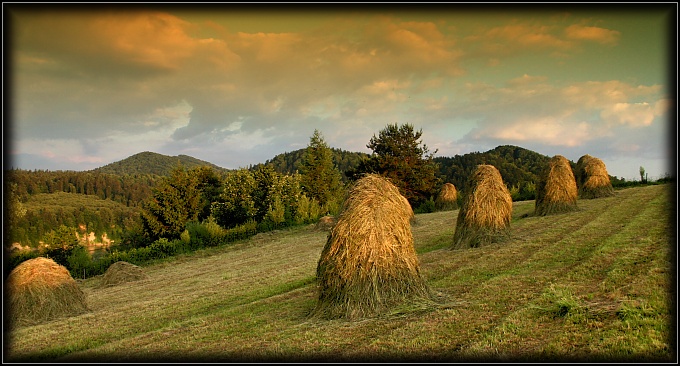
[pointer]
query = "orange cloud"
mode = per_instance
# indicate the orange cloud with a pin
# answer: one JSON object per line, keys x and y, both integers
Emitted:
{"x": 595, "y": 34}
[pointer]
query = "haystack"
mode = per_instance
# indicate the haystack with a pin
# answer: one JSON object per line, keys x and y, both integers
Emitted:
{"x": 325, "y": 223}
{"x": 40, "y": 290}
{"x": 369, "y": 263}
{"x": 592, "y": 178}
{"x": 556, "y": 191}
{"x": 122, "y": 272}
{"x": 447, "y": 199}
{"x": 485, "y": 213}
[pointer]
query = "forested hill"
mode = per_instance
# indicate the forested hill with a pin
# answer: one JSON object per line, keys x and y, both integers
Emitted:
{"x": 155, "y": 164}
{"x": 289, "y": 162}
{"x": 518, "y": 166}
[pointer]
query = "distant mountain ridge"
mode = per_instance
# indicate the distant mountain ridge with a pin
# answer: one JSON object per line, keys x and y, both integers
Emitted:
{"x": 516, "y": 164}
{"x": 148, "y": 162}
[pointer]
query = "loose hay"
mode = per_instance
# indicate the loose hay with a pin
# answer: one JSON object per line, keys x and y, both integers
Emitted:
{"x": 592, "y": 178}
{"x": 485, "y": 213}
{"x": 556, "y": 191}
{"x": 122, "y": 272}
{"x": 325, "y": 223}
{"x": 447, "y": 199}
{"x": 369, "y": 263}
{"x": 40, "y": 290}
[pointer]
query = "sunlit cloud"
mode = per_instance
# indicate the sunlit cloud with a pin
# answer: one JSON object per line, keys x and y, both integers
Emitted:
{"x": 594, "y": 34}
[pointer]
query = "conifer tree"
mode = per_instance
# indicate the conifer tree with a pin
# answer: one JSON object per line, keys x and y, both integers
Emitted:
{"x": 175, "y": 201}
{"x": 399, "y": 155}
{"x": 321, "y": 179}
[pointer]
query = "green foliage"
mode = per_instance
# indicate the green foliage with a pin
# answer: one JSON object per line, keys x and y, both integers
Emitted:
{"x": 321, "y": 179}
{"x": 153, "y": 163}
{"x": 79, "y": 261}
{"x": 60, "y": 243}
{"x": 130, "y": 190}
{"x": 175, "y": 201}
{"x": 426, "y": 207}
{"x": 399, "y": 155}
{"x": 290, "y": 162}
{"x": 210, "y": 185}
{"x": 235, "y": 205}
{"x": 46, "y": 212}
{"x": 519, "y": 167}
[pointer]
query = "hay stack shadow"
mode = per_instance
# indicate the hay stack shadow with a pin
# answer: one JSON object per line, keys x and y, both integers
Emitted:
{"x": 122, "y": 272}
{"x": 592, "y": 178}
{"x": 41, "y": 290}
{"x": 447, "y": 200}
{"x": 556, "y": 191}
{"x": 369, "y": 264}
{"x": 485, "y": 213}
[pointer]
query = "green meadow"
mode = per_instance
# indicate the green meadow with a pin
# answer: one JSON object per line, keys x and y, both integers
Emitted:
{"x": 592, "y": 285}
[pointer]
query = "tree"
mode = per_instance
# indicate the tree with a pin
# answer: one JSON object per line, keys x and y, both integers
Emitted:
{"x": 236, "y": 205}
{"x": 175, "y": 201}
{"x": 642, "y": 175}
{"x": 399, "y": 155}
{"x": 321, "y": 179}
{"x": 210, "y": 185}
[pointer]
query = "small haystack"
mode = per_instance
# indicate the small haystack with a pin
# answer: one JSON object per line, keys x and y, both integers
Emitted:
{"x": 485, "y": 213}
{"x": 325, "y": 223}
{"x": 592, "y": 178}
{"x": 40, "y": 290}
{"x": 556, "y": 191}
{"x": 447, "y": 199}
{"x": 122, "y": 272}
{"x": 369, "y": 263}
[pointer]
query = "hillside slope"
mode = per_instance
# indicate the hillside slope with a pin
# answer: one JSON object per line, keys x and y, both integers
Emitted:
{"x": 153, "y": 163}
{"x": 591, "y": 285}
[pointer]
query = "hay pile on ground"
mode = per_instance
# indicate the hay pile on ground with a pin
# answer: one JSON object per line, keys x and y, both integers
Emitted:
{"x": 592, "y": 178}
{"x": 485, "y": 213}
{"x": 447, "y": 199}
{"x": 40, "y": 290}
{"x": 369, "y": 263}
{"x": 556, "y": 191}
{"x": 325, "y": 223}
{"x": 122, "y": 272}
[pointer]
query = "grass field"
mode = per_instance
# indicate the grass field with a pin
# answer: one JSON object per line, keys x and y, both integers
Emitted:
{"x": 593, "y": 285}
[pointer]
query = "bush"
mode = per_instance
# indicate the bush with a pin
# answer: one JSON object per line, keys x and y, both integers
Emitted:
{"x": 426, "y": 207}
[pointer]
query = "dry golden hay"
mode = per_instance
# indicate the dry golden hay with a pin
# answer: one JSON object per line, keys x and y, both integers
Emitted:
{"x": 556, "y": 191}
{"x": 485, "y": 213}
{"x": 325, "y": 222}
{"x": 40, "y": 290}
{"x": 447, "y": 199}
{"x": 122, "y": 272}
{"x": 592, "y": 178}
{"x": 369, "y": 263}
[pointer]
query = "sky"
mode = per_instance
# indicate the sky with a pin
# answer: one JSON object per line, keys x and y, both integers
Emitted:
{"x": 236, "y": 85}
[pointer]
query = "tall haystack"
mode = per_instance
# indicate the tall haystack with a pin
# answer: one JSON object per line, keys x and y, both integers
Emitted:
{"x": 485, "y": 213}
{"x": 556, "y": 191}
{"x": 592, "y": 178}
{"x": 122, "y": 272}
{"x": 39, "y": 290}
{"x": 447, "y": 199}
{"x": 369, "y": 263}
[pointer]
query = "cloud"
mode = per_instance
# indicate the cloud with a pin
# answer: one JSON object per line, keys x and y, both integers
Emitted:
{"x": 594, "y": 34}
{"x": 528, "y": 109}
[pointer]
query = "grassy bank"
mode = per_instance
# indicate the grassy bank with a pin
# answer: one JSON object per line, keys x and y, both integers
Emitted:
{"x": 591, "y": 285}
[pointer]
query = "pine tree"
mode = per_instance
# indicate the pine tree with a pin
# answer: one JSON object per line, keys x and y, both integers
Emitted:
{"x": 321, "y": 179}
{"x": 399, "y": 155}
{"x": 175, "y": 201}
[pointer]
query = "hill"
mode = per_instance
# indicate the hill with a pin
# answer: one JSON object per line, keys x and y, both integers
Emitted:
{"x": 289, "y": 162}
{"x": 153, "y": 163}
{"x": 594, "y": 285}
